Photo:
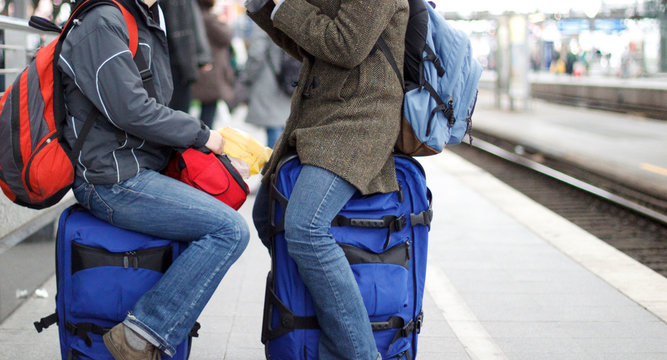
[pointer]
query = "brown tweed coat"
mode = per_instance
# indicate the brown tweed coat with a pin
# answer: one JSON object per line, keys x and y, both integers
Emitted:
{"x": 346, "y": 110}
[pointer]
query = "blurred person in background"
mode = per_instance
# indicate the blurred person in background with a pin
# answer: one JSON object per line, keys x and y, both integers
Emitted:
{"x": 215, "y": 82}
{"x": 188, "y": 48}
{"x": 268, "y": 105}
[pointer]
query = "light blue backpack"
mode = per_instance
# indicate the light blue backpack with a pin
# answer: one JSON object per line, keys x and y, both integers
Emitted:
{"x": 440, "y": 82}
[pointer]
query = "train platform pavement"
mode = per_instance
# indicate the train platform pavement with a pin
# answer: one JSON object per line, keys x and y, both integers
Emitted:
{"x": 656, "y": 81}
{"x": 506, "y": 279}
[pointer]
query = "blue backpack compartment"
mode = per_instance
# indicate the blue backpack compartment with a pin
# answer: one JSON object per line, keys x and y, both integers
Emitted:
{"x": 385, "y": 239}
{"x": 101, "y": 272}
{"x": 456, "y": 86}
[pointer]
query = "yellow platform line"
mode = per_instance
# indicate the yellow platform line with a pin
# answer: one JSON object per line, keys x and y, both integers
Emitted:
{"x": 654, "y": 169}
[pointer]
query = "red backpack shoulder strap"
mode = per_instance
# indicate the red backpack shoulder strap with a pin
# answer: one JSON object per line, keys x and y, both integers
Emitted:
{"x": 131, "y": 27}
{"x": 130, "y": 21}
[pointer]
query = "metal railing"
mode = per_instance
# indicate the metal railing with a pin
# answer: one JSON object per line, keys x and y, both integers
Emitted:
{"x": 19, "y": 44}
{"x": 26, "y": 235}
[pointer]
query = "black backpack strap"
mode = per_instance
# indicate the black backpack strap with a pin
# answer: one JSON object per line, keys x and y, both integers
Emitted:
{"x": 43, "y": 24}
{"x": 83, "y": 134}
{"x": 145, "y": 72}
{"x": 446, "y": 108}
{"x": 431, "y": 56}
{"x": 382, "y": 45}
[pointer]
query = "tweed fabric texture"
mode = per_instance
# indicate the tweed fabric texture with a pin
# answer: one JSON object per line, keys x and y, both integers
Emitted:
{"x": 346, "y": 110}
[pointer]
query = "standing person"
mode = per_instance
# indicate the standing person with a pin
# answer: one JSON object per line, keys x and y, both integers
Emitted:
{"x": 343, "y": 124}
{"x": 216, "y": 82}
{"x": 118, "y": 172}
{"x": 268, "y": 105}
{"x": 188, "y": 48}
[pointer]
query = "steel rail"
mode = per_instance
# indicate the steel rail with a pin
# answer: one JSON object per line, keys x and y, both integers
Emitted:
{"x": 555, "y": 174}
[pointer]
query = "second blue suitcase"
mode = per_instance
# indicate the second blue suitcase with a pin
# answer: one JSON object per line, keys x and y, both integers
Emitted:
{"x": 385, "y": 239}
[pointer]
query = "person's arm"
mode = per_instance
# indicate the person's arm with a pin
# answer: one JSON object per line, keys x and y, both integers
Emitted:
{"x": 101, "y": 64}
{"x": 201, "y": 40}
{"x": 257, "y": 55}
{"x": 344, "y": 40}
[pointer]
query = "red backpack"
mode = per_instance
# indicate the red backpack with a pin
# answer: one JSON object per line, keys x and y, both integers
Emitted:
{"x": 36, "y": 164}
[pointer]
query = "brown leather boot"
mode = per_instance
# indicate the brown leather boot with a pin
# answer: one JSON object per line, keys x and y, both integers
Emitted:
{"x": 117, "y": 345}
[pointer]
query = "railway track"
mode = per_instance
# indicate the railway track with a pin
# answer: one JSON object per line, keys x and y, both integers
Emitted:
{"x": 630, "y": 220}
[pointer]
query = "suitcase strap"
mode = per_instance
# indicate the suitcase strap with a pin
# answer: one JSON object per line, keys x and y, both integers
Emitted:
{"x": 86, "y": 257}
{"x": 289, "y": 321}
{"x": 405, "y": 330}
{"x": 84, "y": 329}
{"x": 45, "y": 322}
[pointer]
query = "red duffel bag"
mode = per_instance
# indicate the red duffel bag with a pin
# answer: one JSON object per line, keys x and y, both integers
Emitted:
{"x": 210, "y": 173}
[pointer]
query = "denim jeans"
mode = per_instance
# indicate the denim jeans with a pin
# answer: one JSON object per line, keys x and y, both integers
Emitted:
{"x": 272, "y": 135}
{"x": 160, "y": 206}
{"x": 317, "y": 197}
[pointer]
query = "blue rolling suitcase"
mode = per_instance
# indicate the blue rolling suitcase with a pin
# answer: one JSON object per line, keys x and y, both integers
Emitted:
{"x": 385, "y": 239}
{"x": 101, "y": 272}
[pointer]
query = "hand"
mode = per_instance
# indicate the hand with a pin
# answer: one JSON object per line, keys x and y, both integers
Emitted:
{"x": 216, "y": 143}
{"x": 276, "y": 1}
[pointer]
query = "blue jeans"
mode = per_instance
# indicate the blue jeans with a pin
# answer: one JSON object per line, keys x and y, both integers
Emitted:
{"x": 272, "y": 135}
{"x": 160, "y": 206}
{"x": 317, "y": 197}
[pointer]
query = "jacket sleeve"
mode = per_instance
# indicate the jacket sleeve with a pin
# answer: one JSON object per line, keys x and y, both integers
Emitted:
{"x": 257, "y": 55}
{"x": 204, "y": 54}
{"x": 98, "y": 58}
{"x": 344, "y": 40}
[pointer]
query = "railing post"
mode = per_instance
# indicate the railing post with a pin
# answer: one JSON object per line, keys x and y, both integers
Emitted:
{"x": 21, "y": 8}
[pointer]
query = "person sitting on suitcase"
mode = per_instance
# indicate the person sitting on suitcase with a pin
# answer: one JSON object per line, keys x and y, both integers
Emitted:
{"x": 118, "y": 171}
{"x": 343, "y": 124}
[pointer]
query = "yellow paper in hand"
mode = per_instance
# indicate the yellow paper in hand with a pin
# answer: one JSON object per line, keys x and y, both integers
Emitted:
{"x": 241, "y": 145}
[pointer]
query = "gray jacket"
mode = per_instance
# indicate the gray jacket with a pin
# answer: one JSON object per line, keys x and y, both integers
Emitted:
{"x": 267, "y": 104}
{"x": 135, "y": 131}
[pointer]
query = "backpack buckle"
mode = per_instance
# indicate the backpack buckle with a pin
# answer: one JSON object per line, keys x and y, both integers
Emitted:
{"x": 396, "y": 224}
{"x": 146, "y": 75}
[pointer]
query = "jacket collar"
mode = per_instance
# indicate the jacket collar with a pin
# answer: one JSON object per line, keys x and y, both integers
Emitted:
{"x": 141, "y": 11}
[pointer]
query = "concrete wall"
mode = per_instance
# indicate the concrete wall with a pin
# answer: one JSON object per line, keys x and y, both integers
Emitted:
{"x": 27, "y": 250}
